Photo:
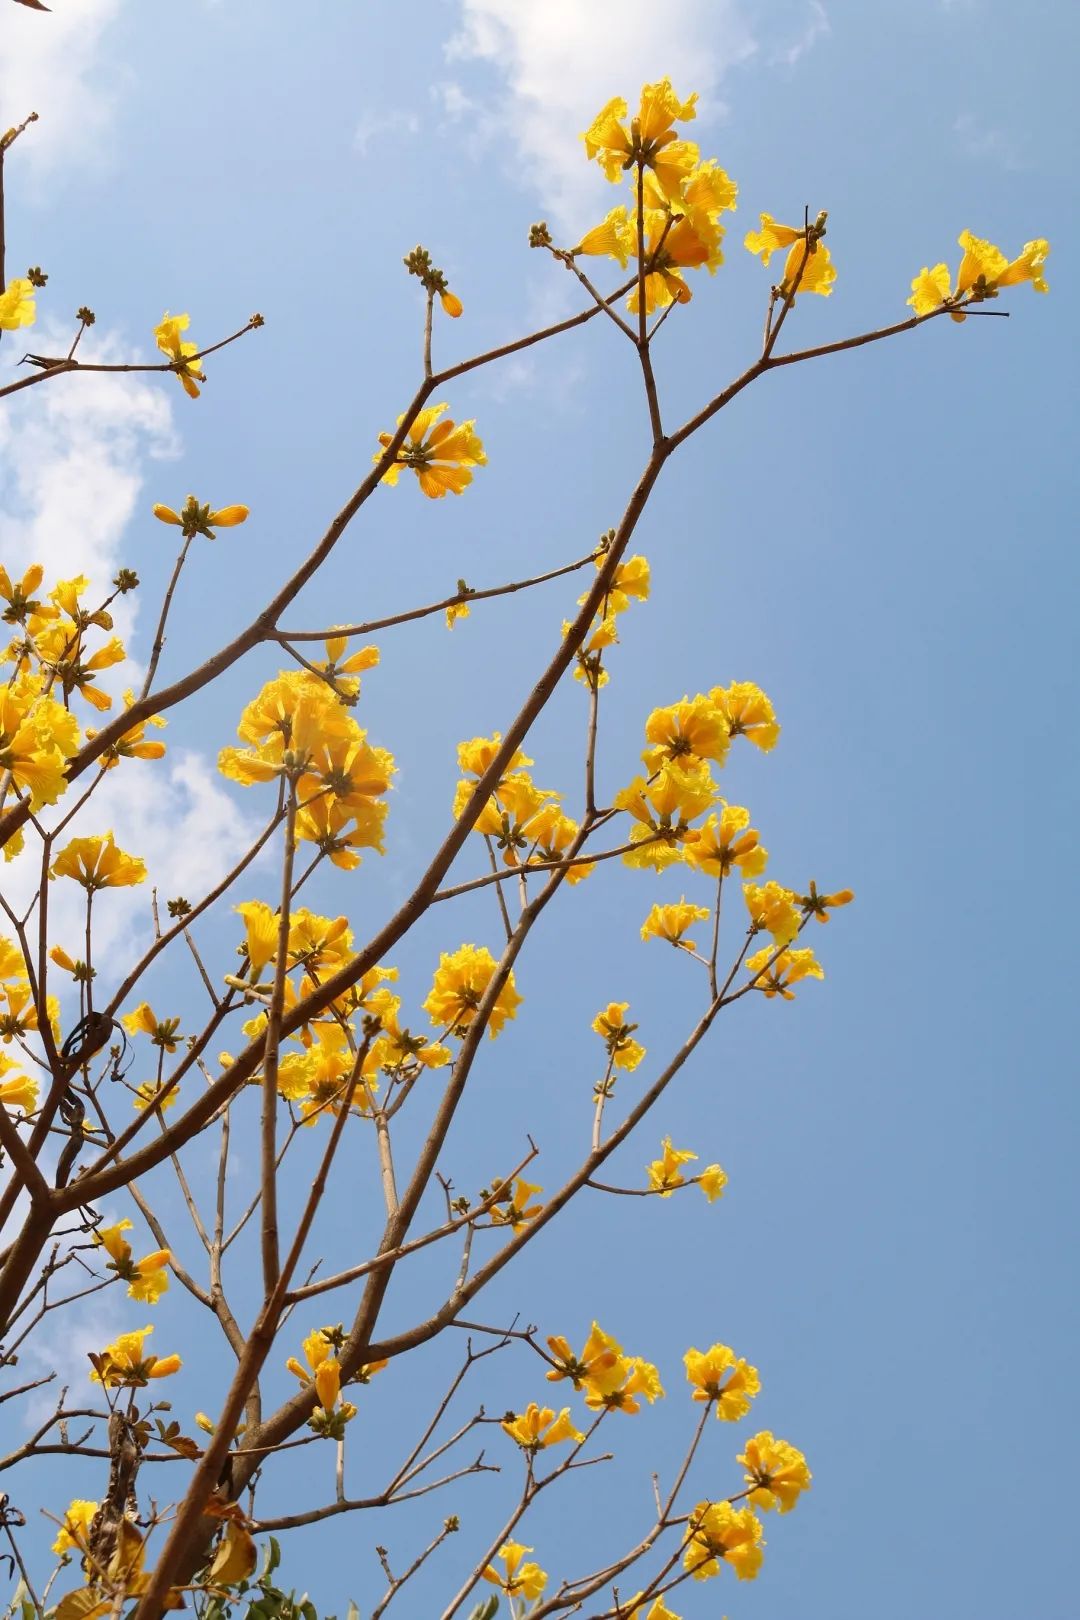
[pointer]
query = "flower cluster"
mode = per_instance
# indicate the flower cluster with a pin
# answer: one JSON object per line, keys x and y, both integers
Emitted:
{"x": 673, "y": 222}
{"x": 523, "y": 821}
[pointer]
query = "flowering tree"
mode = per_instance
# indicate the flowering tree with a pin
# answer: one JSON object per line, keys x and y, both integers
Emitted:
{"x": 332, "y": 1060}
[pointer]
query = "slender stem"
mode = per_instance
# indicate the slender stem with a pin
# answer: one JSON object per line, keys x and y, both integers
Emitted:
{"x": 268, "y": 1127}
{"x": 159, "y": 635}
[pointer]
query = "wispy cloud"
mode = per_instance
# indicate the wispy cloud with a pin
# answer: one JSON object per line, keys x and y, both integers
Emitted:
{"x": 73, "y": 455}
{"x": 373, "y": 127}
{"x": 816, "y": 25}
{"x": 57, "y": 66}
{"x": 562, "y": 60}
{"x": 983, "y": 141}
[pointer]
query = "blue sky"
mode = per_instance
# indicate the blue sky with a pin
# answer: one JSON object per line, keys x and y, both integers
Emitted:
{"x": 883, "y": 540}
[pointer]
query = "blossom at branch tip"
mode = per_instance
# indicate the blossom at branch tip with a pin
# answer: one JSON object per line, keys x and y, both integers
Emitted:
{"x": 611, "y": 1025}
{"x": 514, "y": 1208}
{"x": 776, "y": 1471}
{"x": 168, "y": 339}
{"x": 17, "y": 306}
{"x": 649, "y": 139}
{"x": 441, "y": 454}
{"x": 598, "y": 1365}
{"x": 726, "y": 841}
{"x": 133, "y": 744}
{"x": 671, "y": 922}
{"x": 694, "y": 729}
{"x": 194, "y": 519}
{"x": 538, "y": 1427}
{"x": 124, "y": 1363}
{"x": 665, "y": 1173}
{"x": 147, "y": 1279}
{"x": 323, "y": 1371}
{"x": 663, "y": 808}
{"x": 517, "y": 1579}
{"x": 635, "y": 1377}
{"x": 718, "y": 1533}
{"x": 983, "y": 271}
{"x": 775, "y": 978}
{"x": 773, "y": 909}
{"x": 17, "y": 1090}
{"x": 261, "y": 928}
{"x": 73, "y": 1533}
{"x": 461, "y": 979}
{"x": 98, "y": 863}
{"x": 808, "y": 261}
{"x": 749, "y": 713}
{"x": 163, "y": 1032}
{"x": 819, "y": 905}
{"x": 719, "y": 1375}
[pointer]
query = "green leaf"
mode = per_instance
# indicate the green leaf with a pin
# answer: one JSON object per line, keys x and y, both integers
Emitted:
{"x": 487, "y": 1609}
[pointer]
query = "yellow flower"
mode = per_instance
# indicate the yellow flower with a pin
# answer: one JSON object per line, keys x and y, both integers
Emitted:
{"x": 695, "y": 729}
{"x": 636, "y": 1377}
{"x": 133, "y": 744}
{"x": 477, "y": 754}
{"x": 147, "y": 1279}
{"x": 439, "y": 453}
{"x": 20, "y": 599}
{"x": 724, "y": 842}
{"x": 649, "y": 140}
{"x": 36, "y": 736}
{"x": 613, "y": 238}
{"x": 749, "y": 713}
{"x": 719, "y": 1375}
{"x": 551, "y": 833}
{"x": 451, "y": 304}
{"x": 261, "y": 933}
{"x": 789, "y": 967}
{"x": 17, "y": 307}
{"x": 983, "y": 270}
{"x": 518, "y": 1579}
{"x": 771, "y": 238}
{"x": 718, "y": 1533}
{"x": 658, "y": 1610}
{"x": 19, "y": 1091}
{"x": 194, "y": 519}
{"x": 819, "y": 905}
{"x": 664, "y": 806}
{"x": 712, "y": 1182}
{"x": 97, "y": 863}
{"x": 124, "y": 1363}
{"x": 610, "y": 1024}
{"x": 538, "y": 1427}
{"x": 518, "y": 1211}
{"x": 776, "y": 1470}
{"x": 665, "y": 1173}
{"x": 671, "y": 922}
{"x": 808, "y": 257}
{"x": 75, "y": 1528}
{"x": 456, "y": 611}
{"x": 460, "y": 981}
{"x": 150, "y": 1095}
{"x": 598, "y": 1366}
{"x": 163, "y": 1032}
{"x": 774, "y": 909}
{"x": 168, "y": 339}
{"x": 692, "y": 241}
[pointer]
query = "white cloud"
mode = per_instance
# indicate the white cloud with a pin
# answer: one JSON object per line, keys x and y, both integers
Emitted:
{"x": 73, "y": 453}
{"x": 815, "y": 27}
{"x": 979, "y": 140}
{"x": 54, "y": 65}
{"x": 70, "y": 466}
{"x": 174, "y": 813}
{"x": 563, "y": 59}
{"x": 373, "y": 126}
